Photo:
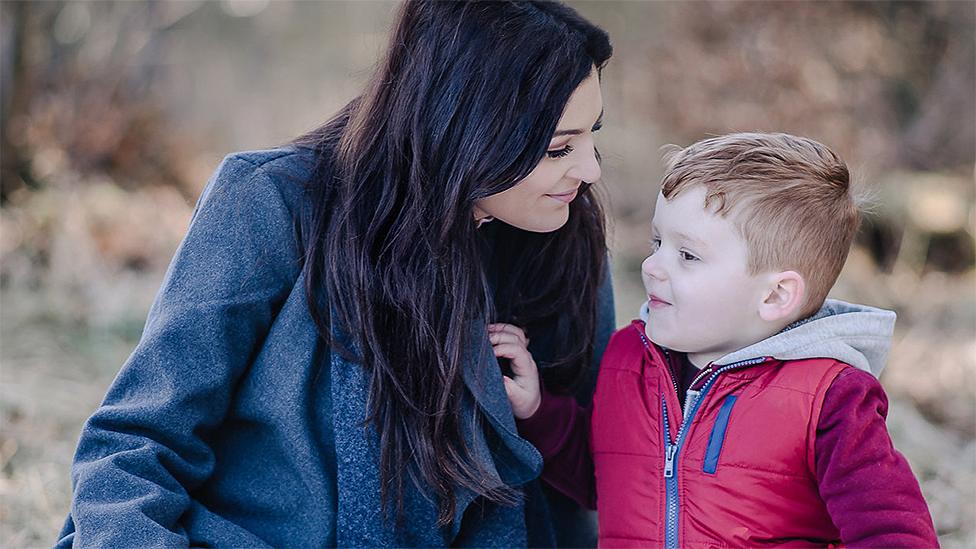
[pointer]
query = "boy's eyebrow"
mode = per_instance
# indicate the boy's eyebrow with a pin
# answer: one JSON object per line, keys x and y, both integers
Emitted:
{"x": 693, "y": 240}
{"x": 682, "y": 236}
{"x": 597, "y": 124}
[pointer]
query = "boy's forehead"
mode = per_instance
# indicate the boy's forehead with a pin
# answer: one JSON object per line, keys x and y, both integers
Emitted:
{"x": 681, "y": 209}
{"x": 686, "y": 216}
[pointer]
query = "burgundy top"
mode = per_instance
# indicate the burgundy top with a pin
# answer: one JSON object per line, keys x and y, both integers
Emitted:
{"x": 869, "y": 489}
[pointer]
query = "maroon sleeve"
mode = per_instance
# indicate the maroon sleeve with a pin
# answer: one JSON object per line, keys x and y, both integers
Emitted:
{"x": 871, "y": 494}
{"x": 560, "y": 430}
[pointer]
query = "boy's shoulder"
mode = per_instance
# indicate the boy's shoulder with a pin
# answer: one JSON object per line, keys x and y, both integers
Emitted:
{"x": 626, "y": 348}
{"x": 810, "y": 375}
{"x": 841, "y": 387}
{"x": 842, "y": 374}
{"x": 629, "y": 334}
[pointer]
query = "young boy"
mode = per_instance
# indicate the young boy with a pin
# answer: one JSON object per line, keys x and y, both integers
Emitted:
{"x": 742, "y": 409}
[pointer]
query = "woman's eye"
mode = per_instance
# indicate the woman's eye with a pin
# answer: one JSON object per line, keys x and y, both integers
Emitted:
{"x": 687, "y": 256}
{"x": 559, "y": 153}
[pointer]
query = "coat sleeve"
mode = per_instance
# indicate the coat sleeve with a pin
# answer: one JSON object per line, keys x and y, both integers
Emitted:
{"x": 145, "y": 448}
{"x": 871, "y": 494}
{"x": 560, "y": 430}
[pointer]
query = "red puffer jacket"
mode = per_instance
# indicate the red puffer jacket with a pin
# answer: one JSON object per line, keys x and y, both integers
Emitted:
{"x": 738, "y": 467}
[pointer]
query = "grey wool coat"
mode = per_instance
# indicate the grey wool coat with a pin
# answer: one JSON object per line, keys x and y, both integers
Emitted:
{"x": 232, "y": 424}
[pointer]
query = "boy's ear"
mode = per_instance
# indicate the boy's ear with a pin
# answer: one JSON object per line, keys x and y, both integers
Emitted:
{"x": 784, "y": 298}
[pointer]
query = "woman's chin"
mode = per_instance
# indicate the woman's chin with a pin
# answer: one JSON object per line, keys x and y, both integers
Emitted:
{"x": 540, "y": 224}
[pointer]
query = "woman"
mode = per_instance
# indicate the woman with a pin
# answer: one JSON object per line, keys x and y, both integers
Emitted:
{"x": 316, "y": 368}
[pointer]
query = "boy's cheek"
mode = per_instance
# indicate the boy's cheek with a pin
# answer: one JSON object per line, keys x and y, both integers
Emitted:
{"x": 653, "y": 332}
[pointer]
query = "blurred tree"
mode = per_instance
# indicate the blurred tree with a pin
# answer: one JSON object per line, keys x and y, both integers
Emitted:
{"x": 13, "y": 95}
{"x": 77, "y": 89}
{"x": 889, "y": 83}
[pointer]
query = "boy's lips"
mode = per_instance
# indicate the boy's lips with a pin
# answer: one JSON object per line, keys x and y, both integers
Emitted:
{"x": 654, "y": 301}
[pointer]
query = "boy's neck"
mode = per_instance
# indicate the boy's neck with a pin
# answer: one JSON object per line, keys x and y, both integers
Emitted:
{"x": 702, "y": 360}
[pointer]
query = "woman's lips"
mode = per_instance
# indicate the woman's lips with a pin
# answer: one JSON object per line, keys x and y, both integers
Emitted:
{"x": 655, "y": 302}
{"x": 566, "y": 197}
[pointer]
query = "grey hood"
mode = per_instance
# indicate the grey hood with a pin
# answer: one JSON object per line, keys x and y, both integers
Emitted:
{"x": 855, "y": 334}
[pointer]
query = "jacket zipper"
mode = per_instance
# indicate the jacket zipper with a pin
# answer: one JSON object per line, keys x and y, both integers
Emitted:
{"x": 672, "y": 447}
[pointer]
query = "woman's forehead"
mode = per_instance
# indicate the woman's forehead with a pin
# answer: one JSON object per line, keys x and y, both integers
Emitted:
{"x": 584, "y": 108}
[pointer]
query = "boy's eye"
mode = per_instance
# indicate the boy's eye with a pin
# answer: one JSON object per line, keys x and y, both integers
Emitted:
{"x": 559, "y": 153}
{"x": 655, "y": 244}
{"x": 687, "y": 256}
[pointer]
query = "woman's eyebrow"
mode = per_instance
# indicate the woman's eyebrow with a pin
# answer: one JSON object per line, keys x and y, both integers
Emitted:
{"x": 597, "y": 124}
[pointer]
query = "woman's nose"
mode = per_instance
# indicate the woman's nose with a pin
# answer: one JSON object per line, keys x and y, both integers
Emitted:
{"x": 586, "y": 168}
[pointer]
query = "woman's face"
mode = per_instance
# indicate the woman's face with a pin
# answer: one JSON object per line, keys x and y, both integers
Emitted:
{"x": 540, "y": 202}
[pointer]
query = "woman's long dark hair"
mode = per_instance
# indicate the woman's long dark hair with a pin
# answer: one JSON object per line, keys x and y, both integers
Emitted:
{"x": 462, "y": 107}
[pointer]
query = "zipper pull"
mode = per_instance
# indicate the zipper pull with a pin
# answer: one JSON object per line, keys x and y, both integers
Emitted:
{"x": 669, "y": 460}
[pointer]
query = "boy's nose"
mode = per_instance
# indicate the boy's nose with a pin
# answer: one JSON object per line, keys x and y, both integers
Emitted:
{"x": 652, "y": 268}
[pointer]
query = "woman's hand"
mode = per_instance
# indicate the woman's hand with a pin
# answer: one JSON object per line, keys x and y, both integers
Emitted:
{"x": 523, "y": 389}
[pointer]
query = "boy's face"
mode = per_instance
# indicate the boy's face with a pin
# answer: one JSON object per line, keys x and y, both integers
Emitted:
{"x": 701, "y": 298}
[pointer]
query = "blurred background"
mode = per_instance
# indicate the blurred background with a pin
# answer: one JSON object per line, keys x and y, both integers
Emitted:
{"x": 114, "y": 114}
